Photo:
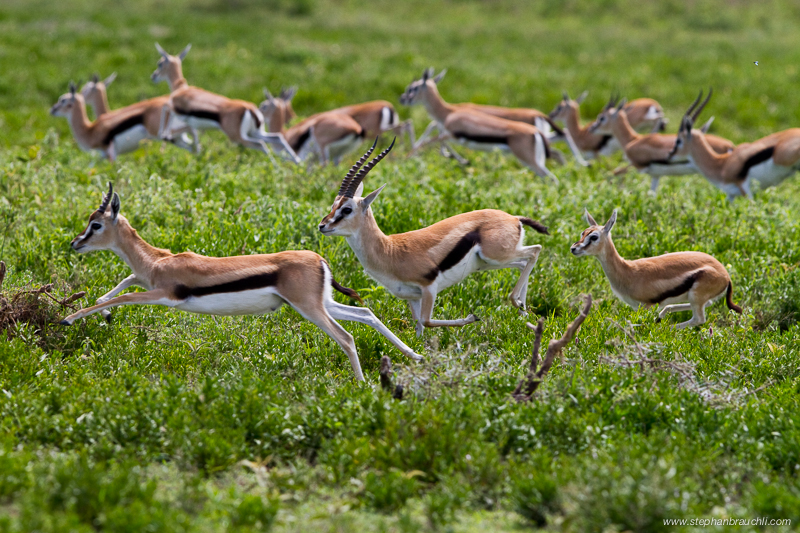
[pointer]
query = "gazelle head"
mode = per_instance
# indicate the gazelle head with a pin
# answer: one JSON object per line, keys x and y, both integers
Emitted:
{"x": 95, "y": 87}
{"x": 415, "y": 92}
{"x": 169, "y": 67}
{"x": 67, "y": 102}
{"x": 102, "y": 231}
{"x": 594, "y": 238}
{"x": 684, "y": 137}
{"x": 349, "y": 208}
{"x": 602, "y": 124}
{"x": 282, "y": 105}
{"x": 566, "y": 105}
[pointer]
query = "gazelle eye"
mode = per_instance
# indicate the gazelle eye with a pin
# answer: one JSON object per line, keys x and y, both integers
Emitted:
{"x": 593, "y": 238}
{"x": 96, "y": 226}
{"x": 347, "y": 211}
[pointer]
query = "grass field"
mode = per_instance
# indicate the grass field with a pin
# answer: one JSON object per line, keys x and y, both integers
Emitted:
{"x": 168, "y": 421}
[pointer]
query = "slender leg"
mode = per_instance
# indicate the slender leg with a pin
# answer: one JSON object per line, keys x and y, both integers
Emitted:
{"x": 365, "y": 316}
{"x": 574, "y": 149}
{"x": 674, "y": 308}
{"x": 425, "y": 321}
{"x": 124, "y": 284}
{"x": 654, "y": 184}
{"x": 416, "y": 309}
{"x": 520, "y": 291}
{"x": 458, "y": 157}
{"x": 334, "y": 330}
{"x": 558, "y": 156}
{"x": 111, "y": 153}
{"x": 698, "y": 316}
{"x": 154, "y": 297}
{"x": 425, "y": 134}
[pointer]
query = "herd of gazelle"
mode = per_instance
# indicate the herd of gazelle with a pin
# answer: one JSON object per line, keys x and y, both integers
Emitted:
{"x": 417, "y": 265}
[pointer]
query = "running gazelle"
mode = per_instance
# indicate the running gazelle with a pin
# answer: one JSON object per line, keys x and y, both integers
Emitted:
{"x": 680, "y": 281}
{"x": 417, "y": 265}
{"x": 769, "y": 160}
{"x": 199, "y": 109}
{"x": 239, "y": 285}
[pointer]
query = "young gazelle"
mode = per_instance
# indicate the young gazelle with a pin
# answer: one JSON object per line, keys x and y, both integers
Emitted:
{"x": 330, "y": 135}
{"x": 644, "y": 114}
{"x": 113, "y": 133}
{"x": 239, "y": 285}
{"x": 768, "y": 160}
{"x": 477, "y": 130}
{"x": 417, "y": 265}
{"x": 95, "y": 95}
{"x": 649, "y": 154}
{"x": 679, "y": 281}
{"x": 199, "y": 109}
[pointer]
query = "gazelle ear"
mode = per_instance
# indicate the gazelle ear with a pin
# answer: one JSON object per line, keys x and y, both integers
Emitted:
{"x": 359, "y": 189}
{"x": 115, "y": 205}
{"x": 95, "y": 78}
{"x": 582, "y": 97}
{"x": 427, "y": 74}
{"x": 589, "y": 218}
{"x": 268, "y": 95}
{"x": 289, "y": 93}
{"x": 161, "y": 50}
{"x": 439, "y": 77}
{"x": 565, "y": 96}
{"x": 611, "y": 221}
{"x": 707, "y": 125}
{"x": 368, "y": 199}
{"x": 185, "y": 51}
{"x": 109, "y": 80}
{"x": 72, "y": 88}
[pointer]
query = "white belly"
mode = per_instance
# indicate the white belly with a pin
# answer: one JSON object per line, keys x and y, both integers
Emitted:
{"x": 471, "y": 262}
{"x": 253, "y": 302}
{"x": 399, "y": 289}
{"x": 681, "y": 169}
{"x": 200, "y": 123}
{"x": 128, "y": 140}
{"x": 768, "y": 174}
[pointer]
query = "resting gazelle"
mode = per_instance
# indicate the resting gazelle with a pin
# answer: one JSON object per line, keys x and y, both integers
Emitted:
{"x": 417, "y": 265}
{"x": 649, "y": 154}
{"x": 198, "y": 109}
{"x": 478, "y": 130}
{"x": 679, "y": 281}
{"x": 768, "y": 160}
{"x": 239, "y": 285}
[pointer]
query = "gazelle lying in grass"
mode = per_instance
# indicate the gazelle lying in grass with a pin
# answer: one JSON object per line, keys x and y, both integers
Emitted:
{"x": 199, "y": 109}
{"x": 112, "y": 133}
{"x": 240, "y": 285}
{"x": 95, "y": 94}
{"x": 644, "y": 114}
{"x": 769, "y": 160}
{"x": 330, "y": 135}
{"x": 417, "y": 265}
{"x": 477, "y": 130}
{"x": 650, "y": 154}
{"x": 679, "y": 281}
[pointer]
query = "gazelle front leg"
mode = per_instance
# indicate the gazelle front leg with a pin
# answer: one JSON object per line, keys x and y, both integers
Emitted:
{"x": 425, "y": 134}
{"x": 674, "y": 308}
{"x": 365, "y": 316}
{"x": 520, "y": 291}
{"x": 154, "y": 297}
{"x": 124, "y": 284}
{"x": 425, "y": 320}
{"x": 458, "y": 157}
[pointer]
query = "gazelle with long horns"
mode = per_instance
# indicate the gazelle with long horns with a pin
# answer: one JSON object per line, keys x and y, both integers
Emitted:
{"x": 112, "y": 133}
{"x": 644, "y": 114}
{"x": 95, "y": 94}
{"x": 649, "y": 154}
{"x": 769, "y": 160}
{"x": 417, "y": 265}
{"x": 199, "y": 109}
{"x": 239, "y": 285}
{"x": 477, "y": 130}
{"x": 329, "y": 135}
{"x": 680, "y": 281}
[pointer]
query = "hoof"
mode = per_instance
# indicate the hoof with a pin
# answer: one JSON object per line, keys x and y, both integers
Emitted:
{"x": 65, "y": 323}
{"x": 472, "y": 318}
{"x": 108, "y": 318}
{"x": 658, "y": 319}
{"x": 522, "y": 311}
{"x": 416, "y": 357}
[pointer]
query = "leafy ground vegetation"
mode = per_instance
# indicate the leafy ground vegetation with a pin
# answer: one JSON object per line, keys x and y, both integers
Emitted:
{"x": 167, "y": 421}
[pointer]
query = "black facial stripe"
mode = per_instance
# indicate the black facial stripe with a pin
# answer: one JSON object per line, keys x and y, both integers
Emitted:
{"x": 257, "y": 281}
{"x": 755, "y": 159}
{"x": 684, "y": 287}
{"x": 462, "y": 248}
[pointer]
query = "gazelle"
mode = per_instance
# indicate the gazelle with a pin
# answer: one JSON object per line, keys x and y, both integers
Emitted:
{"x": 649, "y": 154}
{"x": 679, "y": 281}
{"x": 644, "y": 115}
{"x": 477, "y": 130}
{"x": 113, "y": 133}
{"x": 96, "y": 96}
{"x": 330, "y": 135}
{"x": 768, "y": 160}
{"x": 199, "y": 109}
{"x": 239, "y": 285}
{"x": 417, "y": 265}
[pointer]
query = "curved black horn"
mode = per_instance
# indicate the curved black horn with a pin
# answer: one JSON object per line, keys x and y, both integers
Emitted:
{"x": 703, "y": 105}
{"x": 95, "y": 77}
{"x": 365, "y": 170}
{"x": 348, "y": 179}
{"x": 694, "y": 104}
{"x": 106, "y": 198}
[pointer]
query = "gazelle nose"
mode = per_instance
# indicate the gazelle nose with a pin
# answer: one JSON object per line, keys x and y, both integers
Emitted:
{"x": 321, "y": 227}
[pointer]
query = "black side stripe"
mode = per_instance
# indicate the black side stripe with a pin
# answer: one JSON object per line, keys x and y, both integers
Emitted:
{"x": 301, "y": 140}
{"x": 199, "y": 113}
{"x": 488, "y": 139}
{"x": 755, "y": 159}
{"x": 683, "y": 288}
{"x": 462, "y": 248}
{"x": 257, "y": 281}
{"x": 603, "y": 142}
{"x": 125, "y": 125}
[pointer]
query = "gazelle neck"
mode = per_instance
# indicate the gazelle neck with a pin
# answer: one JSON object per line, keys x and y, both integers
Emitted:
{"x": 369, "y": 243}
{"x": 614, "y": 266}
{"x": 573, "y": 121}
{"x": 176, "y": 79}
{"x": 100, "y": 102}
{"x": 79, "y": 124}
{"x": 135, "y": 251}
{"x": 277, "y": 121}
{"x": 435, "y": 104}
{"x": 707, "y": 160}
{"x": 621, "y": 128}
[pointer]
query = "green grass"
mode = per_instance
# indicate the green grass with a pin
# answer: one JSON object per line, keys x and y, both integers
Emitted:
{"x": 144, "y": 424}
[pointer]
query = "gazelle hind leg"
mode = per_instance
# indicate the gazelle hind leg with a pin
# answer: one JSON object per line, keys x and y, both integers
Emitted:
{"x": 324, "y": 321}
{"x": 520, "y": 291}
{"x": 425, "y": 320}
{"x": 674, "y": 308}
{"x": 698, "y": 316}
{"x": 366, "y": 316}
